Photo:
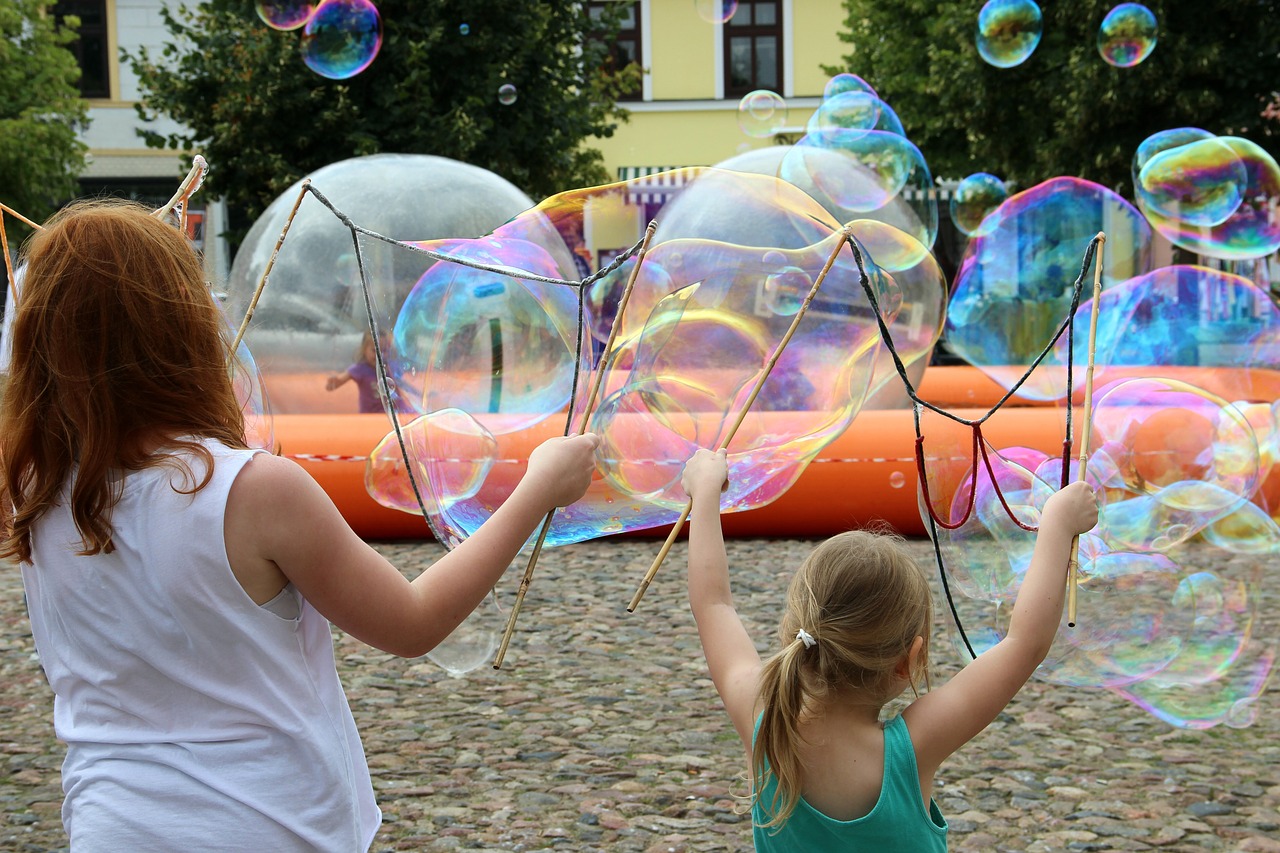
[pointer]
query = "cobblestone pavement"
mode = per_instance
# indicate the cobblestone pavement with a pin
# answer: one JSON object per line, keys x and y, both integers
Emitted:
{"x": 602, "y": 732}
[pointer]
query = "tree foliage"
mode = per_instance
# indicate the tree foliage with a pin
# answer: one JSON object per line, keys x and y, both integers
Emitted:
{"x": 40, "y": 106}
{"x": 1065, "y": 111}
{"x": 263, "y": 119}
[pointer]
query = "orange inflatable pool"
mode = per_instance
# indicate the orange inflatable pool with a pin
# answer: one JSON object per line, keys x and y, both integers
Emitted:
{"x": 866, "y": 474}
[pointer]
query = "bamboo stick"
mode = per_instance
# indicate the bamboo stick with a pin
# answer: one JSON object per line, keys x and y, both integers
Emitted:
{"x": 773, "y": 359}
{"x": 1073, "y": 564}
{"x": 596, "y": 383}
{"x": 271, "y": 262}
{"x": 9, "y": 210}
{"x": 194, "y": 176}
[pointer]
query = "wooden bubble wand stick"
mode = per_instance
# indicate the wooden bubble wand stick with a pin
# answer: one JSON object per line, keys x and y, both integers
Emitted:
{"x": 1073, "y": 564}
{"x": 596, "y": 382}
{"x": 768, "y": 367}
{"x": 10, "y": 280}
{"x": 271, "y": 262}
{"x": 195, "y": 176}
{"x": 16, "y": 215}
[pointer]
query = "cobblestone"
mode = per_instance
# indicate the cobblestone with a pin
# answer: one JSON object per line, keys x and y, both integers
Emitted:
{"x": 602, "y": 732}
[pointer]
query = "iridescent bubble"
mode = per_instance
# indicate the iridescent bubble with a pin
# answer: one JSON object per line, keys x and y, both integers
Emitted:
{"x": 715, "y": 11}
{"x": 762, "y": 113}
{"x": 1127, "y": 35}
{"x": 1164, "y": 140}
{"x": 507, "y": 94}
{"x": 1200, "y": 183}
{"x": 1252, "y": 230}
{"x": 1224, "y": 664}
{"x": 852, "y": 110}
{"x": 846, "y": 82}
{"x": 897, "y": 480}
{"x": 464, "y": 29}
{"x": 481, "y": 341}
{"x": 1187, "y": 458}
{"x": 341, "y": 38}
{"x": 451, "y": 454}
{"x": 1008, "y": 32}
{"x": 975, "y": 197}
{"x": 284, "y": 14}
{"x": 1014, "y": 286}
{"x": 472, "y": 644}
{"x": 882, "y": 162}
{"x": 784, "y": 291}
{"x": 1217, "y": 330}
{"x": 1231, "y": 699}
{"x": 1131, "y": 627}
{"x": 690, "y": 350}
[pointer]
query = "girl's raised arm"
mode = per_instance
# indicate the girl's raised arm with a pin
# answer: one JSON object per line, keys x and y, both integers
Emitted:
{"x": 945, "y": 719}
{"x": 731, "y": 656}
{"x": 279, "y": 519}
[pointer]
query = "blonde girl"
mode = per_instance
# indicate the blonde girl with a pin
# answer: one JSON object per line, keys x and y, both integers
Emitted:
{"x": 180, "y": 585}
{"x": 827, "y": 774}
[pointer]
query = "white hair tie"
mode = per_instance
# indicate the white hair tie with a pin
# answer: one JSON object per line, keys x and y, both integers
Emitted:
{"x": 805, "y": 637}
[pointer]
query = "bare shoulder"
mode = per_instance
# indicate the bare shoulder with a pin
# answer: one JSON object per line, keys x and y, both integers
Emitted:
{"x": 265, "y": 472}
{"x": 275, "y": 497}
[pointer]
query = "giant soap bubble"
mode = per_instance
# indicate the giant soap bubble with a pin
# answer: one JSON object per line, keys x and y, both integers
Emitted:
{"x": 1170, "y": 633}
{"x": 1014, "y": 286}
{"x": 901, "y": 247}
{"x": 312, "y": 315}
{"x": 732, "y": 257}
{"x": 489, "y": 342}
{"x": 1218, "y": 330}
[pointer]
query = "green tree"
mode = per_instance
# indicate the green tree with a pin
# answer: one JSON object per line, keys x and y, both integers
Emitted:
{"x": 1065, "y": 111}
{"x": 263, "y": 119}
{"x": 40, "y": 106}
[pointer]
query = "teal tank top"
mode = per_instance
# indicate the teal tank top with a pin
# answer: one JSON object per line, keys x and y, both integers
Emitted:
{"x": 898, "y": 820}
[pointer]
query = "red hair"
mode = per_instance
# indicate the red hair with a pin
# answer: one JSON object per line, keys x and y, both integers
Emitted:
{"x": 120, "y": 359}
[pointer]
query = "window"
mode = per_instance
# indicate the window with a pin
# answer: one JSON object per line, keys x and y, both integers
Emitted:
{"x": 91, "y": 49}
{"x": 626, "y": 45}
{"x": 753, "y": 48}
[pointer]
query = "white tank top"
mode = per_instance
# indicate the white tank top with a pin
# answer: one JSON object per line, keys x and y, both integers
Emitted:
{"x": 194, "y": 719}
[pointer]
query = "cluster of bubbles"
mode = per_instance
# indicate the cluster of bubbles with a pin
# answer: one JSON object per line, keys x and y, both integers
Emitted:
{"x": 1168, "y": 627}
{"x": 1010, "y": 30}
{"x": 487, "y": 351}
{"x": 340, "y": 38}
{"x": 1184, "y": 434}
{"x": 494, "y": 356}
{"x": 854, "y": 159}
{"x": 1214, "y": 195}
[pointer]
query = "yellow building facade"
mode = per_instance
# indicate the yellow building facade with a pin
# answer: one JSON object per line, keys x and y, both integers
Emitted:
{"x": 685, "y": 112}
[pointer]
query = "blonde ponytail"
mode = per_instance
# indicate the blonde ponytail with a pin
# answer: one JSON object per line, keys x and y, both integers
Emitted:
{"x": 776, "y": 749}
